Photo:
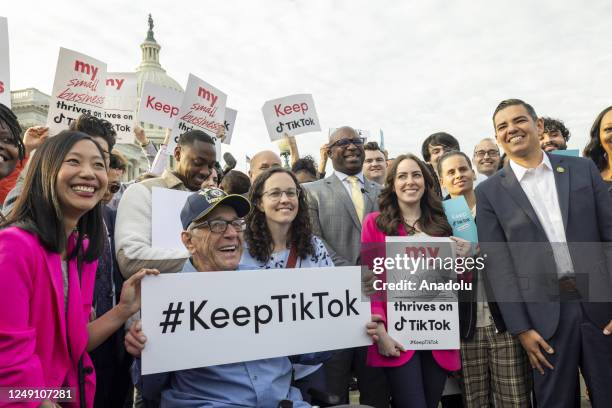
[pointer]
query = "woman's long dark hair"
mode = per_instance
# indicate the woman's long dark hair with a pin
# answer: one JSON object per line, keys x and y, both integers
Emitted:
{"x": 432, "y": 221}
{"x": 258, "y": 236}
{"x": 38, "y": 209}
{"x": 594, "y": 150}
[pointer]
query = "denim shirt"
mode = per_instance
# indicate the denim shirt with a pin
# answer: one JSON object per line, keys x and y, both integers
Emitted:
{"x": 260, "y": 383}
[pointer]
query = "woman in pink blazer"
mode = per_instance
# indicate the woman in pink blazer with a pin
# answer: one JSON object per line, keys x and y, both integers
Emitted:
{"x": 49, "y": 245}
{"x": 408, "y": 206}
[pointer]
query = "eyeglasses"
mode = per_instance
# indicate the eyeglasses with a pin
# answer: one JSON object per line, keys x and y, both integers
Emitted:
{"x": 275, "y": 195}
{"x": 481, "y": 153}
{"x": 114, "y": 187}
{"x": 220, "y": 226}
{"x": 346, "y": 142}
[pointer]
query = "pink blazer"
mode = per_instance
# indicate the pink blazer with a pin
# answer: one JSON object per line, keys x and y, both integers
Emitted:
{"x": 33, "y": 326}
{"x": 370, "y": 234}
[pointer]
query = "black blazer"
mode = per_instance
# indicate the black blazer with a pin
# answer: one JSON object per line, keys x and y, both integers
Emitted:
{"x": 521, "y": 269}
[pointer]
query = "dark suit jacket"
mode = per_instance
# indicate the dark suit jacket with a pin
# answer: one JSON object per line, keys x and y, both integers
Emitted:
{"x": 520, "y": 266}
{"x": 334, "y": 218}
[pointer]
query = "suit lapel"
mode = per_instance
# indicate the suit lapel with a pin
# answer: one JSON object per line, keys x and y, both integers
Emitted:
{"x": 511, "y": 184}
{"x": 371, "y": 197}
{"x": 562, "y": 181}
{"x": 338, "y": 190}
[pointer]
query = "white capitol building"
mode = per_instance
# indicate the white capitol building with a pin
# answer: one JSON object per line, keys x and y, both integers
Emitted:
{"x": 31, "y": 105}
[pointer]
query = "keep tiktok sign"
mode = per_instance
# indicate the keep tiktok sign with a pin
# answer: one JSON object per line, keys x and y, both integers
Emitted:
{"x": 201, "y": 319}
{"x": 291, "y": 115}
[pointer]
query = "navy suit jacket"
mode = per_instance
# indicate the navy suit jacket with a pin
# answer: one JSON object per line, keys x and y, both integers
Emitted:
{"x": 521, "y": 269}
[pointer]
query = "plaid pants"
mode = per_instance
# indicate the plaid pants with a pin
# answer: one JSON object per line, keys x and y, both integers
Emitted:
{"x": 494, "y": 364}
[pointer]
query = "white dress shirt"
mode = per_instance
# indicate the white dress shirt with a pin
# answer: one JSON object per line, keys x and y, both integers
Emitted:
{"x": 541, "y": 190}
{"x": 347, "y": 184}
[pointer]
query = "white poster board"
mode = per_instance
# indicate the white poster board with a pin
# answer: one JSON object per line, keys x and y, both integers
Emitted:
{"x": 202, "y": 319}
{"x": 203, "y": 108}
{"x": 166, "y": 217}
{"x": 291, "y": 115}
{"x": 120, "y": 104}
{"x": 159, "y": 105}
{"x": 79, "y": 88}
{"x": 5, "y": 78}
{"x": 230, "y": 121}
{"x": 427, "y": 315}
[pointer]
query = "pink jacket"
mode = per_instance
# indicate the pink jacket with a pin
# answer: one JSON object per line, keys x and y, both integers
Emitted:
{"x": 33, "y": 328}
{"x": 448, "y": 359}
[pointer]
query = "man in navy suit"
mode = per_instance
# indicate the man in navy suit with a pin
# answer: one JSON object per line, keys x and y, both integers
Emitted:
{"x": 545, "y": 223}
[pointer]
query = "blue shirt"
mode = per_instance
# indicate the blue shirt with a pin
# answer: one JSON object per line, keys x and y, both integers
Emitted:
{"x": 260, "y": 383}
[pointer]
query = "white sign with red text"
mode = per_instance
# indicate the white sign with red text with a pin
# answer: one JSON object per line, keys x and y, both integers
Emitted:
{"x": 5, "y": 82}
{"x": 203, "y": 108}
{"x": 159, "y": 105}
{"x": 291, "y": 115}
{"x": 120, "y": 104}
{"x": 79, "y": 88}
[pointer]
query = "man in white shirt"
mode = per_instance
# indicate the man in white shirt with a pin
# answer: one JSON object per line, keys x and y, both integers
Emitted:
{"x": 545, "y": 223}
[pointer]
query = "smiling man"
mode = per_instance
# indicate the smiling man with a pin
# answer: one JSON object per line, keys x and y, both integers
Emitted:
{"x": 375, "y": 164}
{"x": 195, "y": 158}
{"x": 213, "y": 226}
{"x": 545, "y": 223}
{"x": 486, "y": 157}
{"x": 337, "y": 204}
{"x": 555, "y": 135}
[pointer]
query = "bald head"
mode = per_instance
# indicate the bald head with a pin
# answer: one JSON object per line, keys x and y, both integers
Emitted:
{"x": 486, "y": 156}
{"x": 261, "y": 162}
{"x": 346, "y": 150}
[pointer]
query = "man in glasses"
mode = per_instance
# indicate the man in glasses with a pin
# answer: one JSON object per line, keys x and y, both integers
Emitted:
{"x": 213, "y": 226}
{"x": 337, "y": 205}
{"x": 486, "y": 157}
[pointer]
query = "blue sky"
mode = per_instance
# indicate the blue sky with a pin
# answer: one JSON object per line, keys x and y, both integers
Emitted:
{"x": 410, "y": 68}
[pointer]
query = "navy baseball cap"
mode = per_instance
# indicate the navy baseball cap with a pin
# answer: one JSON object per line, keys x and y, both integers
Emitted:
{"x": 199, "y": 204}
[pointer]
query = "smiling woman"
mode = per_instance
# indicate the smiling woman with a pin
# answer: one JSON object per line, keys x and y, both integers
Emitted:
{"x": 49, "y": 247}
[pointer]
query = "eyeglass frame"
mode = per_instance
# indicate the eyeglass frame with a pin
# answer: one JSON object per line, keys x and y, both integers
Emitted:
{"x": 207, "y": 224}
{"x": 298, "y": 191}
{"x": 478, "y": 154}
{"x": 358, "y": 141}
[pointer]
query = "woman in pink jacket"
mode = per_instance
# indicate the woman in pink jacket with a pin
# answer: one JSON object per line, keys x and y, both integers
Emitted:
{"x": 49, "y": 246}
{"x": 408, "y": 205}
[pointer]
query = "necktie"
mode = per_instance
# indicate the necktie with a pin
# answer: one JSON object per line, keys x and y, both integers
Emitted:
{"x": 356, "y": 196}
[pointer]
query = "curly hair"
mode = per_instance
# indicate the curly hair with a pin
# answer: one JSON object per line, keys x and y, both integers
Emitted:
{"x": 594, "y": 150}
{"x": 552, "y": 125}
{"x": 258, "y": 236}
{"x": 306, "y": 164}
{"x": 432, "y": 221}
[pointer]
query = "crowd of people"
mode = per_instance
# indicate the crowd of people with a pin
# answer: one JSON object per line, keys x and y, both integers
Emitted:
{"x": 76, "y": 242}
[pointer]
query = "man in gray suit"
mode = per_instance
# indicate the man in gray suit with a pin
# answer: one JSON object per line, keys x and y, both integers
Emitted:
{"x": 337, "y": 206}
{"x": 545, "y": 223}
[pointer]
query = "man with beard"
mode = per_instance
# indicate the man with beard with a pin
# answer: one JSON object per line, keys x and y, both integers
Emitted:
{"x": 555, "y": 135}
{"x": 195, "y": 159}
{"x": 337, "y": 205}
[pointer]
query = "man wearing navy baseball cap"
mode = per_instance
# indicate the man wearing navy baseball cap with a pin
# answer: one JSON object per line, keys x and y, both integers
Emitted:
{"x": 213, "y": 226}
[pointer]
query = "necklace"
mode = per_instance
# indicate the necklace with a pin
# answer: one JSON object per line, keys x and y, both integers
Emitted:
{"x": 411, "y": 228}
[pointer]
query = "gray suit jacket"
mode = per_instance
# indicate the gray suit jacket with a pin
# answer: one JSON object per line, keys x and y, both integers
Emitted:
{"x": 334, "y": 218}
{"x": 521, "y": 268}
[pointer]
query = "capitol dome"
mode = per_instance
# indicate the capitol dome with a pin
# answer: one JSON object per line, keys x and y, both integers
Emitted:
{"x": 150, "y": 69}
